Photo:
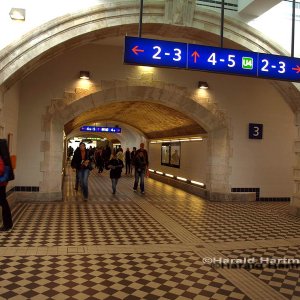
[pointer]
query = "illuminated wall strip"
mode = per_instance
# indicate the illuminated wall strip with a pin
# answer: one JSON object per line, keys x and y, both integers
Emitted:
{"x": 197, "y": 183}
{"x": 178, "y": 178}
{"x": 193, "y": 139}
{"x": 169, "y": 175}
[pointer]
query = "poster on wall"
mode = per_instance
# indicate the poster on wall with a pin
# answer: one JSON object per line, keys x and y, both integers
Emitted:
{"x": 170, "y": 154}
{"x": 165, "y": 154}
{"x": 175, "y": 155}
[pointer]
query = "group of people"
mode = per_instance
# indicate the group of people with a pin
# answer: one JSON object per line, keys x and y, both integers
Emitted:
{"x": 81, "y": 161}
{"x": 113, "y": 161}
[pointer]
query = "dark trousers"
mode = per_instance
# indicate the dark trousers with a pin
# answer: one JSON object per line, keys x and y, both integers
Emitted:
{"x": 6, "y": 213}
{"x": 76, "y": 180}
{"x": 128, "y": 167}
{"x": 83, "y": 175}
{"x": 139, "y": 176}
{"x": 114, "y": 182}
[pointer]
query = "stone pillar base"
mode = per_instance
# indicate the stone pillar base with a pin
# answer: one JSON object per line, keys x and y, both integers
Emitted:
{"x": 294, "y": 210}
{"x": 223, "y": 197}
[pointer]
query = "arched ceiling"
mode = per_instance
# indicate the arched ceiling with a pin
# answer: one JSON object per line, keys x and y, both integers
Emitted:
{"x": 153, "y": 120}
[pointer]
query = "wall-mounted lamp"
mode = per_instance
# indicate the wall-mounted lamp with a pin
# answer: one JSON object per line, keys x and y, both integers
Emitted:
{"x": 203, "y": 85}
{"x": 17, "y": 14}
{"x": 84, "y": 75}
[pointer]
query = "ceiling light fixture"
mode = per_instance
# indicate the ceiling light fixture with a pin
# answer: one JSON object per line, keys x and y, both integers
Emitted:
{"x": 17, "y": 14}
{"x": 202, "y": 85}
{"x": 84, "y": 75}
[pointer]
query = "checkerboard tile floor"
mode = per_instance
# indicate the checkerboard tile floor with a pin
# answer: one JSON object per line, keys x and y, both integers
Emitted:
{"x": 121, "y": 225}
{"x": 86, "y": 224}
{"x": 227, "y": 222}
{"x": 121, "y": 276}
{"x": 100, "y": 188}
{"x": 285, "y": 279}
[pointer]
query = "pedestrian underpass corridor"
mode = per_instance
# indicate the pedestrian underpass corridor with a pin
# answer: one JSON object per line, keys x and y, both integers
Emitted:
{"x": 165, "y": 244}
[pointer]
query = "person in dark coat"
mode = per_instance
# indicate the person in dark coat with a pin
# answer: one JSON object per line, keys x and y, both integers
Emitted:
{"x": 81, "y": 162}
{"x": 6, "y": 174}
{"x": 106, "y": 155}
{"x": 128, "y": 161}
{"x": 115, "y": 165}
{"x": 132, "y": 157}
{"x": 140, "y": 165}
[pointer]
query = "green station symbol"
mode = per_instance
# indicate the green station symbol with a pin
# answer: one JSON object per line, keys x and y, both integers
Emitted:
{"x": 247, "y": 63}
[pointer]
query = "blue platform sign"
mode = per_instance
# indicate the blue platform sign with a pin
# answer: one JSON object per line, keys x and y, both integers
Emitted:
{"x": 222, "y": 60}
{"x": 149, "y": 52}
{"x": 279, "y": 67}
{"x": 100, "y": 129}
{"x": 155, "y": 52}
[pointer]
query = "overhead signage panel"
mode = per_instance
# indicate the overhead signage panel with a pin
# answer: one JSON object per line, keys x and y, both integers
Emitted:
{"x": 221, "y": 60}
{"x": 155, "y": 53}
{"x": 149, "y": 52}
{"x": 278, "y": 67}
{"x": 100, "y": 129}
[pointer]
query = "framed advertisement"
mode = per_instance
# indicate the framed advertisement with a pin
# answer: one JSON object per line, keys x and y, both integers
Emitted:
{"x": 170, "y": 154}
{"x": 165, "y": 154}
{"x": 175, "y": 155}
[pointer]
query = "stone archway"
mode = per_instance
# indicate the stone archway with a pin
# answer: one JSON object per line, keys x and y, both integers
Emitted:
{"x": 200, "y": 109}
{"x": 170, "y": 18}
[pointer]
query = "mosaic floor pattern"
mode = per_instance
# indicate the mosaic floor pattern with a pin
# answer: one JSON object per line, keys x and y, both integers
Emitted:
{"x": 160, "y": 245}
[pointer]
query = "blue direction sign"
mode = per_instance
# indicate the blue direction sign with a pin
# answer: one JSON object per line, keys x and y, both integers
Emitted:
{"x": 155, "y": 53}
{"x": 279, "y": 67}
{"x": 100, "y": 129}
{"x": 222, "y": 60}
{"x": 149, "y": 52}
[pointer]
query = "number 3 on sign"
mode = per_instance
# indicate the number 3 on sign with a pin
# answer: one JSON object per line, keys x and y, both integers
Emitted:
{"x": 255, "y": 131}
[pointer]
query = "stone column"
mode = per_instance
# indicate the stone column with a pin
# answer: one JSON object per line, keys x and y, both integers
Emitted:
{"x": 51, "y": 186}
{"x": 295, "y": 202}
{"x": 180, "y": 12}
{"x": 218, "y": 173}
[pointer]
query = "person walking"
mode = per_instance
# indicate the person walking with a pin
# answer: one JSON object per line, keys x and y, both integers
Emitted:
{"x": 6, "y": 174}
{"x": 115, "y": 165}
{"x": 145, "y": 153}
{"x": 106, "y": 155}
{"x": 132, "y": 157}
{"x": 128, "y": 161}
{"x": 81, "y": 162}
{"x": 140, "y": 166}
{"x": 99, "y": 159}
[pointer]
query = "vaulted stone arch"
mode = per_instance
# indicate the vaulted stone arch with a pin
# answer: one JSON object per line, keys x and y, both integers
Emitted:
{"x": 194, "y": 105}
{"x": 170, "y": 18}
